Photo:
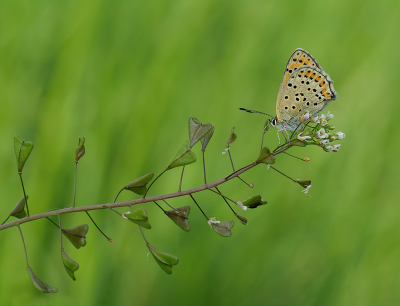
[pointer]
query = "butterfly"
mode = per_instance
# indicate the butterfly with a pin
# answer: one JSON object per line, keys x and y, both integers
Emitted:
{"x": 305, "y": 88}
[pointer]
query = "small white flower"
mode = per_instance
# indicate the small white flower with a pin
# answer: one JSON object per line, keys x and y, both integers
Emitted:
{"x": 328, "y": 148}
{"x": 303, "y": 138}
{"x": 322, "y": 117}
{"x": 340, "y": 135}
{"x": 240, "y": 204}
{"x": 226, "y": 150}
{"x": 213, "y": 220}
{"x": 322, "y": 134}
{"x": 315, "y": 119}
{"x": 323, "y": 142}
{"x": 329, "y": 116}
{"x": 306, "y": 190}
{"x": 336, "y": 147}
{"x": 305, "y": 117}
{"x": 332, "y": 138}
{"x": 323, "y": 122}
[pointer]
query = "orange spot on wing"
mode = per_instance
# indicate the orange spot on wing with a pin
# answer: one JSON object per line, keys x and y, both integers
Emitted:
{"x": 308, "y": 73}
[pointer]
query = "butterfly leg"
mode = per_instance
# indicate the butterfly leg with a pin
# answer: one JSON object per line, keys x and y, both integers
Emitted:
{"x": 285, "y": 136}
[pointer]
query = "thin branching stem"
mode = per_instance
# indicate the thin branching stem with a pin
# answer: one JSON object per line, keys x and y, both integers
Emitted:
{"x": 224, "y": 199}
{"x": 230, "y": 157}
{"x": 144, "y": 196}
{"x": 180, "y": 182}
{"x": 23, "y": 242}
{"x": 23, "y": 189}
{"x": 283, "y": 174}
{"x": 199, "y": 207}
{"x": 233, "y": 168}
{"x": 119, "y": 192}
{"x": 52, "y": 222}
{"x": 76, "y": 170}
{"x": 143, "y": 234}
{"x": 60, "y": 226}
{"x": 6, "y": 219}
{"x": 159, "y": 206}
{"x": 167, "y": 204}
{"x": 204, "y": 168}
{"x": 95, "y": 224}
{"x": 141, "y": 200}
{"x": 294, "y": 156}
{"x": 127, "y": 203}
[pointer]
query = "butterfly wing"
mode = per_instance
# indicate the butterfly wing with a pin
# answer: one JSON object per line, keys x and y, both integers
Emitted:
{"x": 298, "y": 59}
{"x": 308, "y": 89}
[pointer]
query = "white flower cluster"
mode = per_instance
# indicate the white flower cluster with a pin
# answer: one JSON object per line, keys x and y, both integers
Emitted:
{"x": 321, "y": 134}
{"x": 212, "y": 221}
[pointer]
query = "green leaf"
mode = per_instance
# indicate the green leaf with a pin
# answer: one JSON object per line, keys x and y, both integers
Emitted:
{"x": 254, "y": 202}
{"x": 197, "y": 130}
{"x": 138, "y": 186}
{"x": 77, "y": 235}
{"x": 265, "y": 157}
{"x": 19, "y": 209}
{"x": 222, "y": 228}
{"x": 22, "y": 150}
{"x": 41, "y": 285}
{"x": 180, "y": 217}
{"x": 138, "y": 216}
{"x": 70, "y": 265}
{"x": 206, "y": 139}
{"x": 80, "y": 150}
{"x": 183, "y": 157}
{"x": 164, "y": 259}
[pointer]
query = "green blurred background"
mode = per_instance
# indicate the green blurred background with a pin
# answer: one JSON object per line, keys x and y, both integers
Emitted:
{"x": 127, "y": 75}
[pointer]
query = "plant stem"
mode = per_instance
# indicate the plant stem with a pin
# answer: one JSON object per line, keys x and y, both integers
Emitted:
{"x": 222, "y": 195}
{"x": 76, "y": 170}
{"x": 59, "y": 222}
{"x": 199, "y": 207}
{"x": 116, "y": 197}
{"x": 180, "y": 182}
{"x": 224, "y": 199}
{"x": 95, "y": 224}
{"x": 204, "y": 168}
{"x": 23, "y": 242}
{"x": 144, "y": 196}
{"x": 23, "y": 189}
{"x": 283, "y": 174}
{"x": 127, "y": 203}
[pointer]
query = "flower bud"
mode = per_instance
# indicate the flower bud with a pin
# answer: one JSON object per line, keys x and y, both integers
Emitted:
{"x": 321, "y": 134}
{"x": 315, "y": 119}
{"x": 322, "y": 142}
{"x": 329, "y": 116}
{"x": 305, "y": 117}
{"x": 340, "y": 135}
{"x": 323, "y": 122}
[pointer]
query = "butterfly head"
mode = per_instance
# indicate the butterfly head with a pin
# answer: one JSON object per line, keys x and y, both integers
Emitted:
{"x": 273, "y": 122}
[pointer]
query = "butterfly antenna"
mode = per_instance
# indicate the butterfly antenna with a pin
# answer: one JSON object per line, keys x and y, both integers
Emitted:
{"x": 254, "y": 111}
